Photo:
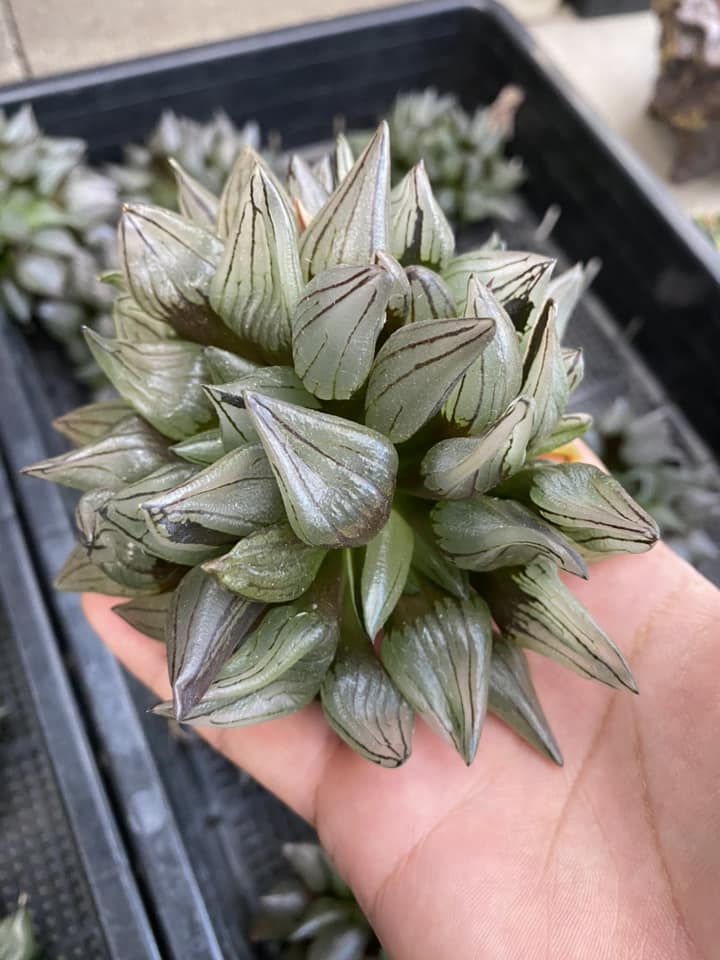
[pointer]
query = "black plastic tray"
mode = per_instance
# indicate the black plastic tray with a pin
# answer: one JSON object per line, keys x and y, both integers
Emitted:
{"x": 202, "y": 838}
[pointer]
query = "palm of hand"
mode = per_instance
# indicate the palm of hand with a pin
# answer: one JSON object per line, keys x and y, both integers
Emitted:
{"x": 615, "y": 856}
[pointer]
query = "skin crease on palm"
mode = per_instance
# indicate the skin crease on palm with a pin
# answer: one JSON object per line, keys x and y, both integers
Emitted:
{"x": 616, "y": 856}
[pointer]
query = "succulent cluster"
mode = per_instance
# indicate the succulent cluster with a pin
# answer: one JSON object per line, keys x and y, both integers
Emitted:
{"x": 205, "y": 150}
{"x": 16, "y": 936}
{"x": 464, "y": 153}
{"x": 54, "y": 235}
{"x": 314, "y": 915}
{"x": 325, "y": 474}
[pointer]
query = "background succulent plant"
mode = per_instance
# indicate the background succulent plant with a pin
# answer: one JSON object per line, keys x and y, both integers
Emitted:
{"x": 54, "y": 235}
{"x": 330, "y": 435}
{"x": 16, "y": 936}
{"x": 710, "y": 224}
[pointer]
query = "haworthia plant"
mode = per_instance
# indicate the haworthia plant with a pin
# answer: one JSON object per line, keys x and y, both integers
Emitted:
{"x": 325, "y": 477}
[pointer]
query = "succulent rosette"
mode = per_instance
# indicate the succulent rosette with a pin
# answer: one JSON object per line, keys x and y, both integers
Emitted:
{"x": 324, "y": 474}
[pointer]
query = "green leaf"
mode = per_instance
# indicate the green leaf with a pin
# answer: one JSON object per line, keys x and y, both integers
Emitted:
{"x": 494, "y": 380}
{"x": 438, "y": 655}
{"x": 487, "y": 533}
{"x": 246, "y": 165}
{"x": 205, "y": 624}
{"x": 258, "y": 280}
{"x": 280, "y": 383}
{"x": 305, "y": 188}
{"x": 544, "y": 378}
{"x": 399, "y": 302}
{"x": 533, "y": 609}
{"x": 236, "y": 425}
{"x": 130, "y": 451}
{"x": 592, "y": 508}
{"x": 195, "y": 201}
{"x": 92, "y": 421}
{"x": 271, "y": 565}
{"x": 309, "y": 861}
{"x": 80, "y": 575}
{"x": 16, "y": 936}
{"x": 225, "y": 366}
{"x": 512, "y": 698}
{"x": 429, "y": 298}
{"x": 574, "y": 363}
{"x": 336, "y": 478}
{"x": 568, "y": 428}
{"x": 341, "y": 942}
{"x": 365, "y": 708}
{"x": 148, "y": 615}
{"x": 385, "y": 569}
{"x": 416, "y": 369}
{"x": 515, "y": 278}
{"x": 461, "y": 467}
{"x": 131, "y": 322}
{"x": 279, "y": 911}
{"x": 567, "y": 289}
{"x": 419, "y": 231}
{"x": 353, "y": 223}
{"x": 203, "y": 448}
{"x": 162, "y": 381}
{"x": 335, "y": 328}
{"x": 236, "y": 495}
{"x": 342, "y": 158}
{"x": 324, "y": 912}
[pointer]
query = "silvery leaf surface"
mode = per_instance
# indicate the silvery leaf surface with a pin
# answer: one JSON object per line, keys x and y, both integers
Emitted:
{"x": 131, "y": 322}
{"x": 419, "y": 230}
{"x": 80, "y": 575}
{"x": 568, "y": 428}
{"x": 461, "y": 467}
{"x": 202, "y": 448}
{"x": 195, "y": 201}
{"x": 399, "y": 302}
{"x": 91, "y": 422}
{"x": 205, "y": 624}
{"x": 438, "y": 655}
{"x": 247, "y": 164}
{"x": 353, "y": 223}
{"x": 279, "y": 382}
{"x": 574, "y": 363}
{"x": 258, "y": 280}
{"x": 236, "y": 425}
{"x": 342, "y": 158}
{"x": 130, "y": 451}
{"x": 225, "y": 366}
{"x": 385, "y": 569}
{"x": 415, "y": 370}
{"x": 365, "y": 708}
{"x": 162, "y": 381}
{"x": 148, "y": 615}
{"x": 487, "y": 533}
{"x": 16, "y": 935}
{"x": 235, "y": 496}
{"x": 566, "y": 290}
{"x": 513, "y": 699}
{"x": 535, "y": 610}
{"x": 336, "y": 477}
{"x": 544, "y": 378}
{"x": 494, "y": 380}
{"x": 592, "y": 508}
{"x": 429, "y": 298}
{"x": 335, "y": 328}
{"x": 271, "y": 565}
{"x": 304, "y": 187}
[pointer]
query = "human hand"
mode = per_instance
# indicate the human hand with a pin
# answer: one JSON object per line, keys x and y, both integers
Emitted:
{"x": 615, "y": 856}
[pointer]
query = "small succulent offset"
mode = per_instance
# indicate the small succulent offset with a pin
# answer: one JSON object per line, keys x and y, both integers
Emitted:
{"x": 314, "y": 915}
{"x": 54, "y": 235}
{"x": 324, "y": 476}
{"x": 464, "y": 153}
{"x": 16, "y": 936}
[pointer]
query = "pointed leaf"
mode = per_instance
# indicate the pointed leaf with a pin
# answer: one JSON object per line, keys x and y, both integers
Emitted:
{"x": 205, "y": 624}
{"x": 280, "y": 383}
{"x": 131, "y": 322}
{"x": 258, "y": 281}
{"x": 419, "y": 231}
{"x": 568, "y": 428}
{"x": 415, "y": 370}
{"x": 130, "y": 451}
{"x": 16, "y": 935}
{"x": 494, "y": 380}
{"x": 310, "y": 863}
{"x": 574, "y": 363}
{"x": 196, "y": 202}
{"x": 487, "y": 533}
{"x": 342, "y": 158}
{"x": 148, "y": 615}
{"x": 91, "y": 422}
{"x": 246, "y": 165}
{"x": 225, "y": 366}
{"x": 430, "y": 298}
{"x": 80, "y": 575}
{"x": 385, "y": 569}
{"x": 399, "y": 302}
{"x": 271, "y": 565}
{"x": 459, "y": 468}
{"x": 162, "y": 381}
{"x": 544, "y": 378}
{"x": 567, "y": 289}
{"x": 365, "y": 708}
{"x": 592, "y": 508}
{"x": 236, "y": 425}
{"x": 438, "y": 655}
{"x": 203, "y": 448}
{"x": 304, "y": 187}
{"x": 335, "y": 329}
{"x": 535, "y": 610}
{"x": 323, "y": 913}
{"x": 336, "y": 478}
{"x": 512, "y": 698}
{"x": 353, "y": 223}
{"x": 341, "y": 942}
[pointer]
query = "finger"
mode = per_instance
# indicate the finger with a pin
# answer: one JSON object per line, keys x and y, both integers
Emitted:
{"x": 287, "y": 756}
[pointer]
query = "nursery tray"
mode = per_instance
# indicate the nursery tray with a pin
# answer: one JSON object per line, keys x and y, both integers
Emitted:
{"x": 201, "y": 837}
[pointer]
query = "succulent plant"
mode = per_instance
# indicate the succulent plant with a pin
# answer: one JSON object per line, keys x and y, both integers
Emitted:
{"x": 709, "y": 223}
{"x": 325, "y": 476}
{"x": 464, "y": 153}
{"x": 314, "y": 915}
{"x": 54, "y": 235}
{"x": 205, "y": 150}
{"x": 16, "y": 936}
